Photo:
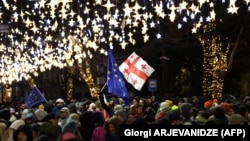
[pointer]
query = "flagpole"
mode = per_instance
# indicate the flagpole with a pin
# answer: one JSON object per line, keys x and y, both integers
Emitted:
{"x": 103, "y": 87}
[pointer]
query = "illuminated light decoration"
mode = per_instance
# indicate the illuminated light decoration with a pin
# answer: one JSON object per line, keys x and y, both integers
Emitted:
{"x": 39, "y": 33}
{"x": 7, "y": 90}
{"x": 214, "y": 62}
{"x": 158, "y": 35}
{"x": 87, "y": 76}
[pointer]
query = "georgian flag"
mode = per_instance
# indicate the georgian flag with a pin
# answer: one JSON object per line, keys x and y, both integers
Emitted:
{"x": 135, "y": 70}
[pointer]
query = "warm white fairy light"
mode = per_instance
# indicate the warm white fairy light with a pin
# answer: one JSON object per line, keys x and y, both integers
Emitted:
{"x": 57, "y": 33}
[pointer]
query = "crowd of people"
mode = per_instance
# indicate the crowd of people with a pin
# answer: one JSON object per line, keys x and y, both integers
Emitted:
{"x": 99, "y": 119}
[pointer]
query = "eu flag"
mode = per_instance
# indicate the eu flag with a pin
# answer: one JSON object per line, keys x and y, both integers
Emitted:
{"x": 34, "y": 97}
{"x": 115, "y": 82}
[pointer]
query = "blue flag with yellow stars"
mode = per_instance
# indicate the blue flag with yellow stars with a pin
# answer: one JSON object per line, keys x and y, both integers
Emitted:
{"x": 35, "y": 97}
{"x": 115, "y": 82}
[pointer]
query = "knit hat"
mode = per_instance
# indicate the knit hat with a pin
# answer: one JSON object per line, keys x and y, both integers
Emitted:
{"x": 200, "y": 118}
{"x": 49, "y": 129}
{"x": 169, "y": 102}
{"x": 99, "y": 134}
{"x": 114, "y": 121}
{"x": 121, "y": 113}
{"x": 236, "y": 119}
{"x": 14, "y": 125}
{"x": 117, "y": 107}
{"x": 41, "y": 106}
{"x": 185, "y": 110}
{"x": 29, "y": 116}
{"x": 175, "y": 108}
{"x": 173, "y": 115}
{"x": 164, "y": 107}
{"x": 74, "y": 116}
{"x": 48, "y": 117}
{"x": 40, "y": 114}
{"x": 92, "y": 106}
{"x": 67, "y": 136}
{"x": 208, "y": 104}
{"x": 65, "y": 109}
{"x": 246, "y": 98}
{"x": 25, "y": 111}
{"x": 70, "y": 127}
{"x": 59, "y": 100}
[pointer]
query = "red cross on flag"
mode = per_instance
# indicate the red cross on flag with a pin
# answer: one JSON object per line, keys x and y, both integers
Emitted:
{"x": 135, "y": 70}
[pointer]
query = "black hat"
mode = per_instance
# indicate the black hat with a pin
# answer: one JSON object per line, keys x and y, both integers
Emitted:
{"x": 48, "y": 117}
{"x": 173, "y": 115}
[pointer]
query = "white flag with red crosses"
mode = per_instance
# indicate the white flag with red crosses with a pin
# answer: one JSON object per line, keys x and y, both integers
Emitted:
{"x": 136, "y": 71}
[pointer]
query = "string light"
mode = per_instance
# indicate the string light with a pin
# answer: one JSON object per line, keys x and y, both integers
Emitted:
{"x": 215, "y": 50}
{"x": 42, "y": 32}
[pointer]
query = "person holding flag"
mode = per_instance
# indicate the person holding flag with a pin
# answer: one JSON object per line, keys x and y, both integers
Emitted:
{"x": 115, "y": 82}
{"x": 35, "y": 97}
{"x": 115, "y": 85}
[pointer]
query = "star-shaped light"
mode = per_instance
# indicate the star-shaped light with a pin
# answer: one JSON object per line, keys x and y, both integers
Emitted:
{"x": 28, "y": 22}
{"x": 152, "y": 24}
{"x": 158, "y": 9}
{"x": 144, "y": 29}
{"x": 179, "y": 26}
{"x": 98, "y": 2}
{"x": 194, "y": 30}
{"x": 136, "y": 7}
{"x": 158, "y": 36}
{"x": 232, "y": 10}
{"x": 72, "y": 13}
{"x": 64, "y": 13}
{"x": 135, "y": 24}
{"x": 137, "y": 16}
{"x": 76, "y": 19}
{"x": 123, "y": 44}
{"x": 145, "y": 38}
{"x": 36, "y": 5}
{"x": 183, "y": 5}
{"x": 208, "y": 19}
{"x": 127, "y": 10}
{"x": 184, "y": 19}
{"x": 42, "y": 3}
{"x": 15, "y": 16}
{"x": 172, "y": 16}
{"x": 212, "y": 15}
{"x": 108, "y": 5}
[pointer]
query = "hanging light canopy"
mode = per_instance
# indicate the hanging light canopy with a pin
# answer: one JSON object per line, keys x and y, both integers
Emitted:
{"x": 36, "y": 35}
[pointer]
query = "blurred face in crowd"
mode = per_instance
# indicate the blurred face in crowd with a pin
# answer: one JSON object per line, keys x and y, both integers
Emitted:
{"x": 63, "y": 115}
{"x": 130, "y": 118}
{"x": 141, "y": 102}
{"x": 134, "y": 102}
{"x": 139, "y": 110}
{"x": 247, "y": 102}
{"x": 34, "y": 134}
{"x": 112, "y": 128}
{"x": 29, "y": 121}
{"x": 22, "y": 136}
{"x": 149, "y": 101}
